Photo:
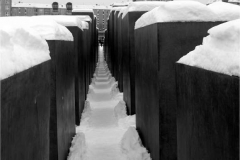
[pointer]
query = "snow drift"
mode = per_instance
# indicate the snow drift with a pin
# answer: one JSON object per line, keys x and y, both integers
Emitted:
{"x": 220, "y": 51}
{"x": 132, "y": 147}
{"x": 177, "y": 11}
{"x": 78, "y": 148}
{"x": 47, "y": 29}
{"x": 120, "y": 110}
{"x": 141, "y": 6}
{"x": 225, "y": 11}
{"x": 86, "y": 111}
{"x": 64, "y": 20}
{"x": 20, "y": 49}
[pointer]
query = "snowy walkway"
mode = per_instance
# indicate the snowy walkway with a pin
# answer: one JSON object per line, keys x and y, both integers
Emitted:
{"x": 104, "y": 123}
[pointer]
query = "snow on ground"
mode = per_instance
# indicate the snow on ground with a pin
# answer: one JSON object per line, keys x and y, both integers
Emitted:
{"x": 225, "y": 11}
{"x": 132, "y": 146}
{"x": 177, "y": 11}
{"x": 104, "y": 123}
{"x": 20, "y": 49}
{"x": 47, "y": 29}
{"x": 220, "y": 51}
{"x": 141, "y": 6}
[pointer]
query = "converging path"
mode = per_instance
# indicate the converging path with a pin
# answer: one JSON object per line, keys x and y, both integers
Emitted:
{"x": 104, "y": 121}
{"x": 103, "y": 134}
{"x": 105, "y": 131}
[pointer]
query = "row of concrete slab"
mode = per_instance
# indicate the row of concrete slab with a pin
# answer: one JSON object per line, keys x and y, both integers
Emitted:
{"x": 41, "y": 105}
{"x": 182, "y": 112}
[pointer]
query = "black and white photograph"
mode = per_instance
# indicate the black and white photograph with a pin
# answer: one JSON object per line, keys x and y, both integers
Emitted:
{"x": 119, "y": 80}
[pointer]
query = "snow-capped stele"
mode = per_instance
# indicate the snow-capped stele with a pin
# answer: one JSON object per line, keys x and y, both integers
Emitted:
{"x": 65, "y": 20}
{"x": 225, "y": 11}
{"x": 122, "y": 10}
{"x": 220, "y": 51}
{"x": 141, "y": 6}
{"x": 85, "y": 18}
{"x": 177, "y": 11}
{"x": 118, "y": 9}
{"x": 20, "y": 50}
{"x": 47, "y": 29}
{"x": 85, "y": 25}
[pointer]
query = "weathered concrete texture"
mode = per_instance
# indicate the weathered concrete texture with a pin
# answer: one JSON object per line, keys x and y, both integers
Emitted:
{"x": 115, "y": 40}
{"x": 111, "y": 42}
{"x": 79, "y": 72}
{"x": 62, "y": 111}
{"x": 128, "y": 59}
{"x": 25, "y": 112}
{"x": 119, "y": 53}
{"x": 89, "y": 63}
{"x": 159, "y": 46}
{"x": 207, "y": 114}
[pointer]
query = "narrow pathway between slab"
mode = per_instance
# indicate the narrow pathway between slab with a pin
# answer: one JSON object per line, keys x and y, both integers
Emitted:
{"x": 106, "y": 132}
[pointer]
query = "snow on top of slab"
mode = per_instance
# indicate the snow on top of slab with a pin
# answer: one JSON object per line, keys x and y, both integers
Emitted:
{"x": 114, "y": 5}
{"x": 64, "y": 20}
{"x": 85, "y": 25}
{"x": 115, "y": 9}
{"x": 220, "y": 51}
{"x": 118, "y": 9}
{"x": 82, "y": 10}
{"x": 177, "y": 11}
{"x": 47, "y": 29}
{"x": 225, "y": 11}
{"x": 141, "y": 6}
{"x": 122, "y": 11}
{"x": 21, "y": 49}
{"x": 84, "y": 17}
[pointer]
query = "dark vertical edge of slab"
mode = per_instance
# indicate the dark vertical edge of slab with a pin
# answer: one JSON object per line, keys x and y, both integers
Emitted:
{"x": 129, "y": 59}
{"x": 62, "y": 120}
{"x": 147, "y": 105}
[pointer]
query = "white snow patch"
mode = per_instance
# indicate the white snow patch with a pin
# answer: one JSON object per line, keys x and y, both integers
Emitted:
{"x": 177, "y": 11}
{"x": 86, "y": 111}
{"x": 115, "y": 90}
{"x": 20, "y": 49}
{"x": 84, "y": 17}
{"x": 120, "y": 110}
{"x": 141, "y": 6}
{"x": 83, "y": 10}
{"x": 78, "y": 148}
{"x": 220, "y": 51}
{"x": 85, "y": 25}
{"x": 47, "y": 29}
{"x": 118, "y": 9}
{"x": 64, "y": 20}
{"x": 225, "y": 11}
{"x": 129, "y": 121}
{"x": 122, "y": 11}
{"x": 132, "y": 146}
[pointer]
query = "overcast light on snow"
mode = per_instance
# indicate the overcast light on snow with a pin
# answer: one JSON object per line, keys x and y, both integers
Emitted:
{"x": 105, "y": 130}
{"x": 21, "y": 49}
{"x": 220, "y": 51}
